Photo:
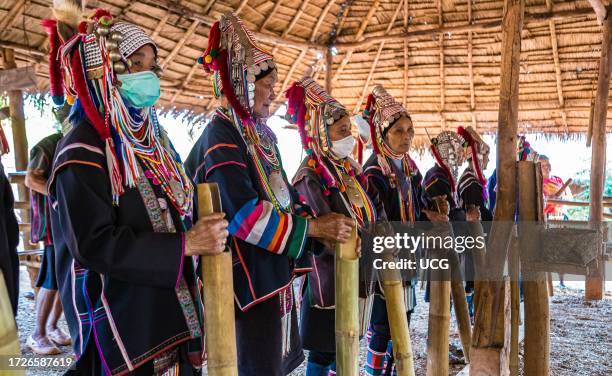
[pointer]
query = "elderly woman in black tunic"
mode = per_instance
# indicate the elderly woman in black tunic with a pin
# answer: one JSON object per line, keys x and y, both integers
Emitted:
{"x": 330, "y": 182}
{"x": 395, "y": 178}
{"x": 121, "y": 207}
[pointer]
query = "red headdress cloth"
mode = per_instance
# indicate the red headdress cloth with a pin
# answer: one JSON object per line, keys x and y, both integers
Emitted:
{"x": 312, "y": 109}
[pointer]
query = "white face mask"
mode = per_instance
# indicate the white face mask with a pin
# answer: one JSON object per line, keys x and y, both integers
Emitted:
{"x": 343, "y": 148}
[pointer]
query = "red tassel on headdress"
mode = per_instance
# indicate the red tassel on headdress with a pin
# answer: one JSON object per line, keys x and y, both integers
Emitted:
{"x": 4, "y": 145}
{"x": 370, "y": 110}
{"x": 56, "y": 76}
{"x": 212, "y": 50}
{"x": 297, "y": 108}
{"x": 472, "y": 144}
{"x": 441, "y": 163}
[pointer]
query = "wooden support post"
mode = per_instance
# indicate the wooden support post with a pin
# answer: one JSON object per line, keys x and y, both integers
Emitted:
{"x": 347, "y": 307}
{"x": 515, "y": 304}
{"x": 594, "y": 283}
{"x": 218, "y": 288}
{"x": 537, "y": 316}
{"x": 488, "y": 339}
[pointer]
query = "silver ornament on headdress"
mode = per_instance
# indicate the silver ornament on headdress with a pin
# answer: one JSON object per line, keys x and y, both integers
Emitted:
{"x": 450, "y": 145}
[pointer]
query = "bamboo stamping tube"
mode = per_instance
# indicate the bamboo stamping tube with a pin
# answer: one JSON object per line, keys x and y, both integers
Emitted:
{"x": 218, "y": 287}
{"x": 9, "y": 343}
{"x": 347, "y": 307}
{"x": 398, "y": 321}
{"x": 460, "y": 306}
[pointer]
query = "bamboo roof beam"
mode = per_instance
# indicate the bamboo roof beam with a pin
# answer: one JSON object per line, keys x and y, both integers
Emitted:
{"x": 555, "y": 50}
{"x": 481, "y": 26}
{"x": 196, "y": 15}
{"x": 241, "y": 6}
{"x": 600, "y": 10}
{"x": 303, "y": 52}
{"x": 271, "y": 14}
{"x": 209, "y": 5}
{"x": 160, "y": 26}
{"x": 192, "y": 28}
{"x": 192, "y": 71}
{"x": 360, "y": 31}
{"x": 375, "y": 62}
{"x": 294, "y": 21}
{"x": 9, "y": 20}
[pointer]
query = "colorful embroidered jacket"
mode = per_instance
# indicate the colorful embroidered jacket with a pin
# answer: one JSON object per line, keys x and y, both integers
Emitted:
{"x": 472, "y": 192}
{"x": 125, "y": 284}
{"x": 437, "y": 183}
{"x": 407, "y": 197}
{"x": 265, "y": 241}
{"x": 321, "y": 281}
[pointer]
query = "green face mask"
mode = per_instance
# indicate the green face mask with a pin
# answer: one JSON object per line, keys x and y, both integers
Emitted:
{"x": 140, "y": 89}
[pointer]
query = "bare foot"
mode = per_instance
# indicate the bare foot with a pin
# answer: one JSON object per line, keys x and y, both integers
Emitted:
{"x": 42, "y": 346}
{"x": 58, "y": 337}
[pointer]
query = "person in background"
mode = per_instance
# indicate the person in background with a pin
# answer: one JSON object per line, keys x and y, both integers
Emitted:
{"x": 330, "y": 182}
{"x": 552, "y": 187}
{"x": 46, "y": 333}
{"x": 9, "y": 232}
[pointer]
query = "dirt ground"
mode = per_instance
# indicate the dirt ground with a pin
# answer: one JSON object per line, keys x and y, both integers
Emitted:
{"x": 581, "y": 334}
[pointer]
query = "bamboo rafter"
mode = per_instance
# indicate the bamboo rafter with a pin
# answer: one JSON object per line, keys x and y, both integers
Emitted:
{"x": 600, "y": 10}
{"x": 294, "y": 20}
{"x": 555, "y": 50}
{"x": 271, "y": 14}
{"x": 10, "y": 19}
{"x": 192, "y": 28}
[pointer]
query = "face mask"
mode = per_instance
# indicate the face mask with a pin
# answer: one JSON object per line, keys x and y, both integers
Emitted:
{"x": 343, "y": 148}
{"x": 140, "y": 89}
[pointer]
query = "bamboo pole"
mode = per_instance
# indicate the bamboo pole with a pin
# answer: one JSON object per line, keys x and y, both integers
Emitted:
{"x": 594, "y": 288}
{"x": 438, "y": 325}
{"x": 347, "y": 307}
{"x": 9, "y": 341}
{"x": 537, "y": 316}
{"x": 515, "y": 302}
{"x": 218, "y": 288}
{"x": 393, "y": 287}
{"x": 460, "y": 306}
{"x": 329, "y": 66}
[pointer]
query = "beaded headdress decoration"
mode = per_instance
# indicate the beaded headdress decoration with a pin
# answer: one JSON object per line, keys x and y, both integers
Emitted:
{"x": 236, "y": 62}
{"x": 85, "y": 58}
{"x": 477, "y": 150}
{"x": 312, "y": 109}
{"x": 381, "y": 111}
{"x": 446, "y": 148}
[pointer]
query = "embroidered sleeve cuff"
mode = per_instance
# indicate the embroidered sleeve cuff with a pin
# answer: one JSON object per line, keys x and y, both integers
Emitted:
{"x": 297, "y": 244}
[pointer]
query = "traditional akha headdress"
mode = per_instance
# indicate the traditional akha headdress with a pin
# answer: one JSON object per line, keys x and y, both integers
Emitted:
{"x": 381, "y": 111}
{"x": 85, "y": 58}
{"x": 477, "y": 150}
{"x": 236, "y": 61}
{"x": 445, "y": 147}
{"x": 312, "y": 109}
{"x": 525, "y": 152}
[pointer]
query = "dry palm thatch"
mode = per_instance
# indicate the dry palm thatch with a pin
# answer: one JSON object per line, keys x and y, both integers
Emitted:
{"x": 441, "y": 57}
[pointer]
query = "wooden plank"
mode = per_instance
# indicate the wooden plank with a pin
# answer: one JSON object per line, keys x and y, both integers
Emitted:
{"x": 456, "y": 29}
{"x": 160, "y": 26}
{"x": 537, "y": 315}
{"x": 594, "y": 288}
{"x": 358, "y": 35}
{"x": 12, "y": 15}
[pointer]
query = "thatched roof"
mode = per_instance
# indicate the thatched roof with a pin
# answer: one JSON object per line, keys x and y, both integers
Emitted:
{"x": 440, "y": 57}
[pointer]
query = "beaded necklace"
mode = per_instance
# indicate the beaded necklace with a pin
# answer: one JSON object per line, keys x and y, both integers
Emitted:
{"x": 260, "y": 151}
